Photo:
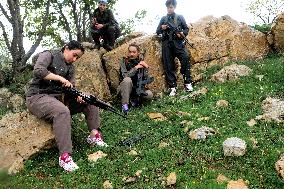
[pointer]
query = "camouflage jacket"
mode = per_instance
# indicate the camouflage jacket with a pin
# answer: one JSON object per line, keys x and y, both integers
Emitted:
{"x": 106, "y": 18}
{"x": 175, "y": 19}
{"x": 127, "y": 69}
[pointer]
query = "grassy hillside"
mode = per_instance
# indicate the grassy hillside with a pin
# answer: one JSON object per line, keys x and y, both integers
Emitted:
{"x": 196, "y": 163}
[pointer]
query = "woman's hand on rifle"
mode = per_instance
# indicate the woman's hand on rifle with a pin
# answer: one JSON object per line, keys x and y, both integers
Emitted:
{"x": 180, "y": 35}
{"x": 143, "y": 64}
{"x": 164, "y": 26}
{"x": 65, "y": 82}
{"x": 80, "y": 99}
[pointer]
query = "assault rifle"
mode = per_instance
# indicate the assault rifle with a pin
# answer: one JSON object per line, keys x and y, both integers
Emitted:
{"x": 176, "y": 30}
{"x": 90, "y": 99}
{"x": 132, "y": 140}
{"x": 141, "y": 82}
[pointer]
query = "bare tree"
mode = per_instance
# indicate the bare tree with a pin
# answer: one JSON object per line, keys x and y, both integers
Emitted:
{"x": 265, "y": 10}
{"x": 14, "y": 42}
{"x": 70, "y": 19}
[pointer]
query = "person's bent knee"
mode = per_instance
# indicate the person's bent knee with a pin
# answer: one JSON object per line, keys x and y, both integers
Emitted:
{"x": 149, "y": 95}
{"x": 92, "y": 109}
{"x": 127, "y": 80}
{"x": 185, "y": 58}
{"x": 62, "y": 110}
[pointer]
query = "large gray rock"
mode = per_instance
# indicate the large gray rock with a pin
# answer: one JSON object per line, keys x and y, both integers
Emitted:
{"x": 232, "y": 72}
{"x": 21, "y": 136}
{"x": 201, "y": 133}
{"x": 234, "y": 147}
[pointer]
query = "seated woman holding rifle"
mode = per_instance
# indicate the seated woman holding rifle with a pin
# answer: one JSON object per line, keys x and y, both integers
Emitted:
{"x": 53, "y": 71}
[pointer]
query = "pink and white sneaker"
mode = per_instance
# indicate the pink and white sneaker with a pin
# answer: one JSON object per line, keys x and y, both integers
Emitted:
{"x": 97, "y": 140}
{"x": 67, "y": 163}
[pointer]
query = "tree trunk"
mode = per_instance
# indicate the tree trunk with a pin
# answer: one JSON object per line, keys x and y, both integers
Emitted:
{"x": 66, "y": 23}
{"x": 76, "y": 19}
{"x": 16, "y": 45}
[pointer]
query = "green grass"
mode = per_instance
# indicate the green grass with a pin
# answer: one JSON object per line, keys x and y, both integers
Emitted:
{"x": 196, "y": 163}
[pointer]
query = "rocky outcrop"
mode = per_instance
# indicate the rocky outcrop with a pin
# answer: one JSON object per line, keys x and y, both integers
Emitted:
{"x": 224, "y": 38}
{"x": 21, "y": 136}
{"x": 90, "y": 75}
{"x": 14, "y": 102}
{"x": 277, "y": 30}
{"x": 130, "y": 37}
{"x": 216, "y": 40}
